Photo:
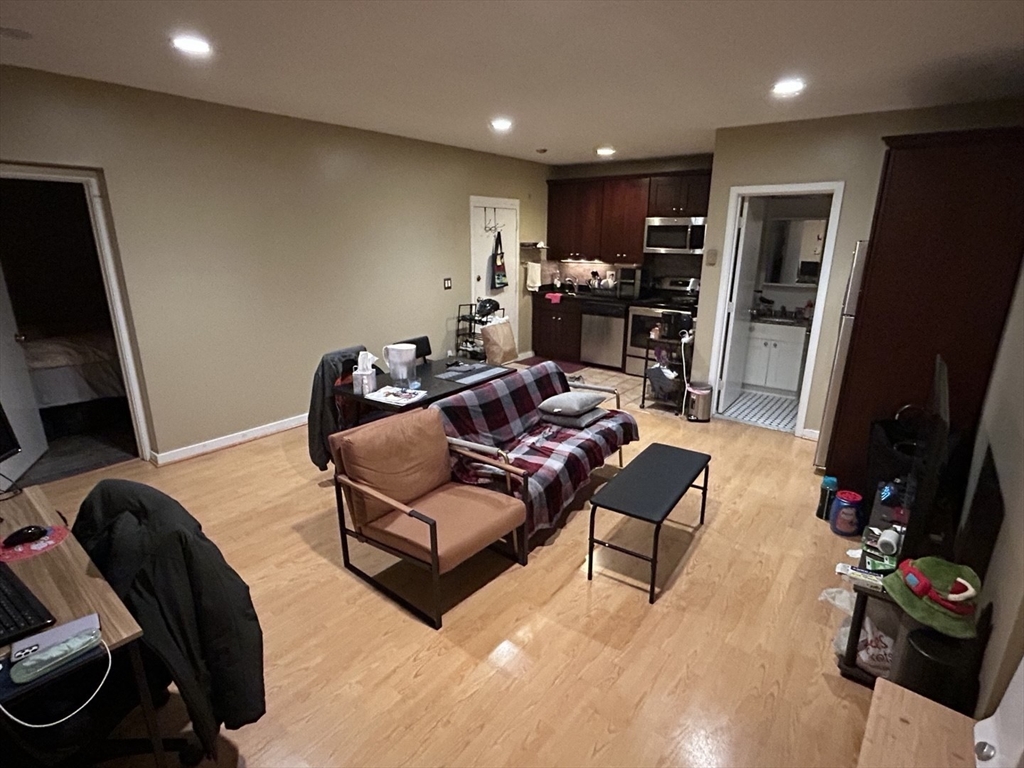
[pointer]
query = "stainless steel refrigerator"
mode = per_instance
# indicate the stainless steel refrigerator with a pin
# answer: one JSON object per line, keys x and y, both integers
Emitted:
{"x": 842, "y": 349}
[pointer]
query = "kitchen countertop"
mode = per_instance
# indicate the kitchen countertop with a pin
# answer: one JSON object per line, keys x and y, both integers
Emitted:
{"x": 582, "y": 294}
{"x": 789, "y": 322}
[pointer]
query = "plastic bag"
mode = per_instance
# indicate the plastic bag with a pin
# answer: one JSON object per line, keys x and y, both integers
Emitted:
{"x": 874, "y": 648}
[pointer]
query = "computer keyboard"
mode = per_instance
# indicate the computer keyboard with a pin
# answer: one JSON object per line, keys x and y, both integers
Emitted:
{"x": 21, "y": 613}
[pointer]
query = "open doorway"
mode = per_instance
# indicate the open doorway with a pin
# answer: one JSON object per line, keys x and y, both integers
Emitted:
{"x": 63, "y": 381}
{"x": 776, "y": 264}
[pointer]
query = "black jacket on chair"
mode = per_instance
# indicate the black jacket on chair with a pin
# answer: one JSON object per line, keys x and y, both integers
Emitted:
{"x": 323, "y": 418}
{"x": 195, "y": 611}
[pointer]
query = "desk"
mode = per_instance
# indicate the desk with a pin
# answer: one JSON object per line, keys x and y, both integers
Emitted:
{"x": 905, "y": 730}
{"x": 70, "y": 586}
{"x": 427, "y": 374}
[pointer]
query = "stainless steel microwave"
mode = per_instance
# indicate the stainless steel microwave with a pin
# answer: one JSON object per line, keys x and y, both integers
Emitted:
{"x": 674, "y": 235}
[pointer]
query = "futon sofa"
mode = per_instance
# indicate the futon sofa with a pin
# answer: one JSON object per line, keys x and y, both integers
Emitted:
{"x": 502, "y": 418}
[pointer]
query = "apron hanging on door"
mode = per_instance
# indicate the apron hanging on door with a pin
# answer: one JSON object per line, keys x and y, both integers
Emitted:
{"x": 499, "y": 278}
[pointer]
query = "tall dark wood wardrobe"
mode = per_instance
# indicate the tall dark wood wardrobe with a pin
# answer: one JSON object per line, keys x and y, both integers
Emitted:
{"x": 942, "y": 263}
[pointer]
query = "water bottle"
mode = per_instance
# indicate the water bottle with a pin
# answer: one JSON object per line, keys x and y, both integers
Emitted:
{"x": 829, "y": 486}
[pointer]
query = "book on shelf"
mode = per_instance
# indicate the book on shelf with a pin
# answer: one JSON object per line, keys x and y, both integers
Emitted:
{"x": 396, "y": 395}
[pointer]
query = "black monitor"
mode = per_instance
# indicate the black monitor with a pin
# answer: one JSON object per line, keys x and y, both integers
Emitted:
{"x": 8, "y": 442}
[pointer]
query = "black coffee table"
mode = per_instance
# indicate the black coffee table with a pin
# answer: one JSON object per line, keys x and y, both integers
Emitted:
{"x": 648, "y": 488}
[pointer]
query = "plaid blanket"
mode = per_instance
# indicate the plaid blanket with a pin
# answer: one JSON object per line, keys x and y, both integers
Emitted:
{"x": 504, "y": 414}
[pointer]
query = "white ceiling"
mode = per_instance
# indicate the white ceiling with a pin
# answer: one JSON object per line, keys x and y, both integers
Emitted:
{"x": 651, "y": 78}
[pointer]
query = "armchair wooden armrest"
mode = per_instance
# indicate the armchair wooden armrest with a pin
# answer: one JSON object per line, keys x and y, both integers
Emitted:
{"x": 374, "y": 493}
{"x": 598, "y": 388}
{"x": 507, "y": 468}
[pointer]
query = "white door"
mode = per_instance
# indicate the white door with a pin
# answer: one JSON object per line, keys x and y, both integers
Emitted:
{"x": 741, "y": 299}
{"x": 17, "y": 396}
{"x": 482, "y": 219}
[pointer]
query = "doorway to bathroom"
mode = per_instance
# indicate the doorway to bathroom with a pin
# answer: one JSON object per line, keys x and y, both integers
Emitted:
{"x": 776, "y": 264}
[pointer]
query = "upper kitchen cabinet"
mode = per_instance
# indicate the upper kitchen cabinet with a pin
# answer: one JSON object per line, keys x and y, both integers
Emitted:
{"x": 680, "y": 195}
{"x": 624, "y": 211}
{"x": 574, "y": 218}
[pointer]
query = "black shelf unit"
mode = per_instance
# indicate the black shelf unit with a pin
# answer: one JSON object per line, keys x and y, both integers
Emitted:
{"x": 468, "y": 343}
{"x": 676, "y": 363}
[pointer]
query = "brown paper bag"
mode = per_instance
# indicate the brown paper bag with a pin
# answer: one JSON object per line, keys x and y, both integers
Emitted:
{"x": 499, "y": 343}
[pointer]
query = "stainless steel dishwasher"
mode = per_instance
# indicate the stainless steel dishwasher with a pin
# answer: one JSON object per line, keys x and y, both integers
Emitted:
{"x": 603, "y": 333}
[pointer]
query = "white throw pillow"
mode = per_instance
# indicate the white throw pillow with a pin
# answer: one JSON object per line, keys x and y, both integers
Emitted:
{"x": 572, "y": 403}
{"x": 582, "y": 421}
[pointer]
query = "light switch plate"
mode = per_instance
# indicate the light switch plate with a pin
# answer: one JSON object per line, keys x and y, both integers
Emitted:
{"x": 447, "y": 283}
{"x": 712, "y": 256}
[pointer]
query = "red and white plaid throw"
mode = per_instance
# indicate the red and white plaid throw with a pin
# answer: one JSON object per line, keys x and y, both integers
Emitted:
{"x": 504, "y": 414}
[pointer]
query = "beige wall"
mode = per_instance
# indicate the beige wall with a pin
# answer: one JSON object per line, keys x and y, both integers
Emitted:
{"x": 1002, "y": 430}
{"x": 848, "y": 149}
{"x": 251, "y": 243}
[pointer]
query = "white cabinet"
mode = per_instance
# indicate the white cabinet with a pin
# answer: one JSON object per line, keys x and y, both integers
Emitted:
{"x": 784, "y": 365}
{"x": 758, "y": 352}
{"x": 774, "y": 356}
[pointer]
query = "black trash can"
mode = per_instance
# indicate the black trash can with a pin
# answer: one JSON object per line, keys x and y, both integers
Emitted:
{"x": 939, "y": 667}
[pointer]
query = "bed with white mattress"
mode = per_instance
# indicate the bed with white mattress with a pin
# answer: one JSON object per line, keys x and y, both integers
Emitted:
{"x": 74, "y": 369}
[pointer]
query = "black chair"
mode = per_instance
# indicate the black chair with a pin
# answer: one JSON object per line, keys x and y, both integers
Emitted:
{"x": 422, "y": 344}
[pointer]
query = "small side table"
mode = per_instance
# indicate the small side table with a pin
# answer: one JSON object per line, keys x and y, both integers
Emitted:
{"x": 648, "y": 488}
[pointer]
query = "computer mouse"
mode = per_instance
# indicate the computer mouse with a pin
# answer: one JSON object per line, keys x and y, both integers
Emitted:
{"x": 25, "y": 535}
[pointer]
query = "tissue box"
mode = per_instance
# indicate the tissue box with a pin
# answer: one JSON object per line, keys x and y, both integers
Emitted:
{"x": 364, "y": 383}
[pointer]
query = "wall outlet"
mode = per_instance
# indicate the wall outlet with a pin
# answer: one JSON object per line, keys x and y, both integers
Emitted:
{"x": 447, "y": 283}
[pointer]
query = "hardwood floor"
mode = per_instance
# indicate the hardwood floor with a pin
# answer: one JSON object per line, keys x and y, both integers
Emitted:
{"x": 731, "y": 667}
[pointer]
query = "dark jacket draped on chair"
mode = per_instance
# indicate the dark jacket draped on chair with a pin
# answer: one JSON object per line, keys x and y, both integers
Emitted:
{"x": 324, "y": 419}
{"x": 194, "y": 609}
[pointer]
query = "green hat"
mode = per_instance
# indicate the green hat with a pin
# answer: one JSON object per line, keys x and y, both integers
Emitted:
{"x": 937, "y": 593}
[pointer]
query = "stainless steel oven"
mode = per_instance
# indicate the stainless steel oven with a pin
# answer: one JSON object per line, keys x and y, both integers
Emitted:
{"x": 641, "y": 321}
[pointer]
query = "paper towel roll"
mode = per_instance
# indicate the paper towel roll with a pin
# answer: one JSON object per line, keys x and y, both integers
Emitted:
{"x": 532, "y": 275}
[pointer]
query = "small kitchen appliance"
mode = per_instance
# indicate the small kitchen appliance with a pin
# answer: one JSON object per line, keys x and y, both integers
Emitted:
{"x": 674, "y": 235}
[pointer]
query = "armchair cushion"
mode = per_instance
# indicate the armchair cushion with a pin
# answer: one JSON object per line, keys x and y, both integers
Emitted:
{"x": 403, "y": 456}
{"x": 468, "y": 517}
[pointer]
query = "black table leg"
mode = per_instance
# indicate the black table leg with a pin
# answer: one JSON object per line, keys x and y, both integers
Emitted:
{"x": 704, "y": 493}
{"x": 654, "y": 561}
{"x": 590, "y": 557}
{"x": 146, "y": 699}
{"x": 856, "y": 622}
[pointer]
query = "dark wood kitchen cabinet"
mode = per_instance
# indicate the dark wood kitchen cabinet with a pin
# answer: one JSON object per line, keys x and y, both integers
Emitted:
{"x": 557, "y": 329}
{"x": 623, "y": 215}
{"x": 574, "y": 218}
{"x": 942, "y": 263}
{"x": 680, "y": 195}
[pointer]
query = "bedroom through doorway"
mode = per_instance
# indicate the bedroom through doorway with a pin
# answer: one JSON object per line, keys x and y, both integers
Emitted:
{"x": 53, "y": 293}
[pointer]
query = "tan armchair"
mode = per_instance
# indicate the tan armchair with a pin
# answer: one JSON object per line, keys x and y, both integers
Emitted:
{"x": 395, "y": 477}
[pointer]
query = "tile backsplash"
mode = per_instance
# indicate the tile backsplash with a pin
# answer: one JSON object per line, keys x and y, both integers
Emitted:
{"x": 581, "y": 272}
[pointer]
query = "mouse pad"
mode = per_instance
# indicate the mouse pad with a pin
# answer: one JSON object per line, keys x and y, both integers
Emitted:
{"x": 55, "y": 534}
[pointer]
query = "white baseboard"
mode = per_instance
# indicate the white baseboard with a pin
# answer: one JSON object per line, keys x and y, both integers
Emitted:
{"x": 526, "y": 355}
{"x": 208, "y": 446}
{"x": 808, "y": 434}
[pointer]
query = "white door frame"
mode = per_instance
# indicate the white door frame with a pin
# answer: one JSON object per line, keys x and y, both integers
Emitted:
{"x": 102, "y": 229}
{"x": 834, "y": 188}
{"x": 498, "y": 202}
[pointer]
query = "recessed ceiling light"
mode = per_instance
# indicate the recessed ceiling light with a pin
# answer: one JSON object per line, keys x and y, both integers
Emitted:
{"x": 789, "y": 86}
{"x": 192, "y": 45}
{"x": 501, "y": 124}
{"x": 605, "y": 151}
